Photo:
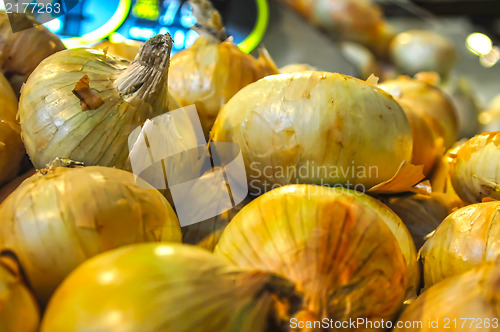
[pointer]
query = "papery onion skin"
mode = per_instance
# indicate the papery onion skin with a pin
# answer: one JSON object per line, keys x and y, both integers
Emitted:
{"x": 466, "y": 238}
{"x": 18, "y": 309}
{"x": 127, "y": 49}
{"x": 473, "y": 296}
{"x": 11, "y": 146}
{"x": 54, "y": 222}
{"x": 51, "y": 116}
{"x": 164, "y": 287}
{"x": 209, "y": 73}
{"x": 330, "y": 127}
{"x": 335, "y": 245}
{"x": 474, "y": 169}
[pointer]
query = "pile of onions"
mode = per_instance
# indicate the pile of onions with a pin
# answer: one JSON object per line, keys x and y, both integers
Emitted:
{"x": 18, "y": 309}
{"x": 11, "y": 146}
{"x": 319, "y": 128}
{"x": 466, "y": 302}
{"x": 348, "y": 254}
{"x": 21, "y": 52}
{"x": 473, "y": 168}
{"x": 416, "y": 51}
{"x": 466, "y": 238}
{"x": 213, "y": 69}
{"x": 60, "y": 217}
{"x": 166, "y": 287}
{"x": 82, "y": 104}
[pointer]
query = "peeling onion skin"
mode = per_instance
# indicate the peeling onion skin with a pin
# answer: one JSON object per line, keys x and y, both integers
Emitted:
{"x": 164, "y": 288}
{"x": 18, "y": 309}
{"x": 51, "y": 116}
{"x": 466, "y": 238}
{"x": 209, "y": 73}
{"x": 11, "y": 146}
{"x": 335, "y": 245}
{"x": 54, "y": 222}
{"x": 314, "y": 119}
{"x": 474, "y": 294}
{"x": 474, "y": 169}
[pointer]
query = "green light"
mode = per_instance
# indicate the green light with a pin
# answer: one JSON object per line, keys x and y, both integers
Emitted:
{"x": 147, "y": 9}
{"x": 254, "y": 38}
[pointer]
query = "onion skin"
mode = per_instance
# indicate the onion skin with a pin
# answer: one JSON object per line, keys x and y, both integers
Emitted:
{"x": 209, "y": 73}
{"x": 474, "y": 294}
{"x": 53, "y": 222}
{"x": 51, "y": 116}
{"x": 473, "y": 170}
{"x": 337, "y": 246}
{"x": 164, "y": 287}
{"x": 466, "y": 238}
{"x": 307, "y": 120}
{"x": 18, "y": 309}
{"x": 126, "y": 50}
{"x": 11, "y": 146}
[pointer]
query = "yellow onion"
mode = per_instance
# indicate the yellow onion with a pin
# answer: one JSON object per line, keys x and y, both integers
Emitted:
{"x": 127, "y": 49}
{"x": 318, "y": 128}
{"x": 415, "y": 51}
{"x": 429, "y": 102}
{"x": 165, "y": 287}
{"x": 467, "y": 302}
{"x": 11, "y": 145}
{"x": 21, "y": 52}
{"x": 473, "y": 169}
{"x": 360, "y": 21}
{"x": 295, "y": 67}
{"x": 18, "y": 309}
{"x": 346, "y": 252}
{"x": 361, "y": 57}
{"x": 82, "y": 104}
{"x": 466, "y": 238}
{"x": 59, "y": 217}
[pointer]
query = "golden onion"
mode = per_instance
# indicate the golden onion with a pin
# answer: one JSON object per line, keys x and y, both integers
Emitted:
{"x": 18, "y": 309}
{"x": 466, "y": 238}
{"x": 82, "y": 104}
{"x": 319, "y": 128}
{"x": 346, "y": 252}
{"x": 467, "y": 302}
{"x": 165, "y": 287}
{"x": 21, "y": 52}
{"x": 59, "y": 217}
{"x": 11, "y": 145}
{"x": 473, "y": 169}
{"x": 213, "y": 69}
{"x": 415, "y": 51}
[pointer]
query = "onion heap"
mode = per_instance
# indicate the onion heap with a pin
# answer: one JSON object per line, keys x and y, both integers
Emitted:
{"x": 21, "y": 52}
{"x": 319, "y": 128}
{"x": 467, "y": 302}
{"x": 11, "y": 146}
{"x": 60, "y": 217}
{"x": 213, "y": 69}
{"x": 347, "y": 253}
{"x": 82, "y": 104}
{"x": 18, "y": 309}
{"x": 474, "y": 168}
{"x": 166, "y": 287}
{"x": 466, "y": 238}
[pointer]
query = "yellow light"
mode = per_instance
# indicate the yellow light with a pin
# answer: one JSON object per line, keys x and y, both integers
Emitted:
{"x": 479, "y": 43}
{"x": 259, "y": 30}
{"x": 164, "y": 251}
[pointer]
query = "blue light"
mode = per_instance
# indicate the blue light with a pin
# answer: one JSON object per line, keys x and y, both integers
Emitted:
{"x": 179, "y": 37}
{"x": 54, "y": 26}
{"x": 172, "y": 8}
{"x": 141, "y": 33}
{"x": 191, "y": 37}
{"x": 187, "y": 19}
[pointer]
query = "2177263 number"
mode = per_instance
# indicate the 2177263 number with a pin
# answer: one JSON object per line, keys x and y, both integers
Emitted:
{"x": 470, "y": 323}
{"x": 33, "y": 8}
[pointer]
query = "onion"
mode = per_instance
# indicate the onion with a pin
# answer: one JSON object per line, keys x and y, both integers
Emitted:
{"x": 127, "y": 49}
{"x": 11, "y": 145}
{"x": 473, "y": 170}
{"x": 469, "y": 301}
{"x": 18, "y": 309}
{"x": 82, "y": 104}
{"x": 9, "y": 187}
{"x": 346, "y": 252}
{"x": 295, "y": 67}
{"x": 21, "y": 52}
{"x": 466, "y": 238}
{"x": 164, "y": 287}
{"x": 59, "y": 217}
{"x": 212, "y": 70}
{"x": 414, "y": 51}
{"x": 429, "y": 102}
{"x": 361, "y": 57}
{"x": 319, "y": 128}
